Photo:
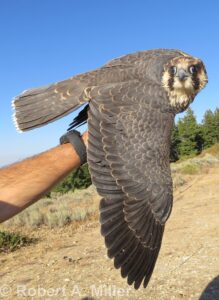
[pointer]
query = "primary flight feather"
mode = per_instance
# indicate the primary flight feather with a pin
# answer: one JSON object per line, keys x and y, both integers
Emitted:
{"x": 132, "y": 102}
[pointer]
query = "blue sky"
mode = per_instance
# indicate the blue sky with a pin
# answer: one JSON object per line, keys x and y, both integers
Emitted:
{"x": 47, "y": 41}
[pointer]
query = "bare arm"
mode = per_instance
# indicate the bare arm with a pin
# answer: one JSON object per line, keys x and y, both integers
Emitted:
{"x": 23, "y": 183}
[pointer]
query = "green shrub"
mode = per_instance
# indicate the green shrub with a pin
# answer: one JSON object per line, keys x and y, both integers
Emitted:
{"x": 79, "y": 179}
{"x": 10, "y": 241}
{"x": 190, "y": 169}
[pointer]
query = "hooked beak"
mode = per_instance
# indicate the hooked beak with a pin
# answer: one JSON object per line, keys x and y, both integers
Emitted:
{"x": 182, "y": 74}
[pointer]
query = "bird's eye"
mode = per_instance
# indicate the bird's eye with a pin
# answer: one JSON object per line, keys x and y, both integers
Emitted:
{"x": 173, "y": 70}
{"x": 192, "y": 69}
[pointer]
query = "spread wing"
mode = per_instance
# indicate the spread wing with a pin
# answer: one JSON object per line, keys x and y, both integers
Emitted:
{"x": 128, "y": 156}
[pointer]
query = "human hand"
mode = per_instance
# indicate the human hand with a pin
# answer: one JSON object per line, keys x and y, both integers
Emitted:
{"x": 85, "y": 138}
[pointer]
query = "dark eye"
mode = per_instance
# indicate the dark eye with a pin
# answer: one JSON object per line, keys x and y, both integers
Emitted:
{"x": 173, "y": 70}
{"x": 193, "y": 69}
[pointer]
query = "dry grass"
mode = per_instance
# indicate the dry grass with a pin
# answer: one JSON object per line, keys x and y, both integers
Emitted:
{"x": 183, "y": 170}
{"x": 59, "y": 210}
{"x": 194, "y": 165}
{"x": 214, "y": 150}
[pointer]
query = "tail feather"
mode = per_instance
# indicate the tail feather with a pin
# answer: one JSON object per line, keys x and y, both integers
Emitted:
{"x": 80, "y": 119}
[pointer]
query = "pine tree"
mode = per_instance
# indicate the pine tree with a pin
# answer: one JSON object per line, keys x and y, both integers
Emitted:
{"x": 189, "y": 134}
{"x": 175, "y": 141}
{"x": 210, "y": 127}
{"x": 216, "y": 115}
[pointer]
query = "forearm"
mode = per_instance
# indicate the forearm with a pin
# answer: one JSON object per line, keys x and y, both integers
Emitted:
{"x": 23, "y": 183}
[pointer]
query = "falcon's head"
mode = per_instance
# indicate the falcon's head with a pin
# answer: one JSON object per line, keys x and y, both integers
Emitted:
{"x": 183, "y": 77}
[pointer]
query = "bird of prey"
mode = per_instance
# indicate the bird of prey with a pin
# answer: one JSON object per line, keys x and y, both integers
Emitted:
{"x": 132, "y": 101}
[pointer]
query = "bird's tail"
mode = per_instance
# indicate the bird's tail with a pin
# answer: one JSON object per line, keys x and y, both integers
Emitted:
{"x": 80, "y": 119}
{"x": 37, "y": 107}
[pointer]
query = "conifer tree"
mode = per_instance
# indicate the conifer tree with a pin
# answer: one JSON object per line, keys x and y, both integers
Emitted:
{"x": 175, "y": 141}
{"x": 216, "y": 116}
{"x": 210, "y": 128}
{"x": 189, "y": 134}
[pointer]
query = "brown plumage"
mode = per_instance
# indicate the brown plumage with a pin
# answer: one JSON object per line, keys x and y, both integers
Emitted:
{"x": 132, "y": 102}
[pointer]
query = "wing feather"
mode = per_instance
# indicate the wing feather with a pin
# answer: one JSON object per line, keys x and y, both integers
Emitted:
{"x": 130, "y": 171}
{"x": 132, "y": 230}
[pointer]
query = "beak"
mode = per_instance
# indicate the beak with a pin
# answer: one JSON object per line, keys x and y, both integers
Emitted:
{"x": 182, "y": 74}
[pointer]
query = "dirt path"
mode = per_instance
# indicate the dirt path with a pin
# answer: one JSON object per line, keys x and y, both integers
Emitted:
{"x": 71, "y": 265}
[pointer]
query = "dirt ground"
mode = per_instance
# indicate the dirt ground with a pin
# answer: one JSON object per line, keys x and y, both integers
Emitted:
{"x": 69, "y": 264}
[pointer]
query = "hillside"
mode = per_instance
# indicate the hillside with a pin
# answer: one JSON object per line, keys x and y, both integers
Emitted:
{"x": 70, "y": 262}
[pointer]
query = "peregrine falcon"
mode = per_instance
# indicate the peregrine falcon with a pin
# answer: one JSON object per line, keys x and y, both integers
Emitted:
{"x": 131, "y": 104}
